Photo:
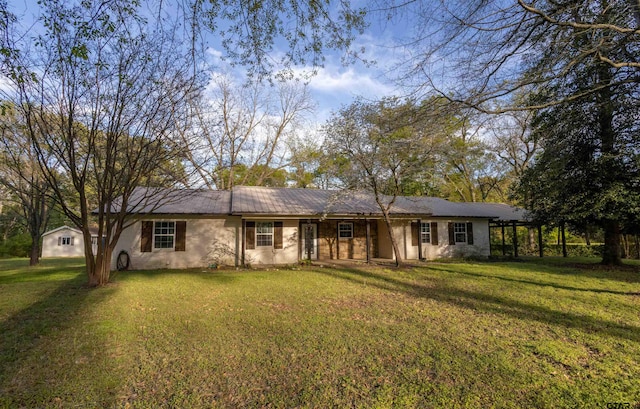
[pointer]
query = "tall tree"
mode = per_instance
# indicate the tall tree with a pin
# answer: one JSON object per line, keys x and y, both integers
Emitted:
{"x": 590, "y": 165}
{"x": 23, "y": 180}
{"x": 100, "y": 91}
{"x": 574, "y": 57}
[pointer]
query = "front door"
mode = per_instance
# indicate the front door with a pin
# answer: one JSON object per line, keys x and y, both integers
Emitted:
{"x": 309, "y": 241}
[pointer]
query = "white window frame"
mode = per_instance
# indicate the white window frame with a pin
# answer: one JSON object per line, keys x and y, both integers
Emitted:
{"x": 460, "y": 230}
{"x": 66, "y": 241}
{"x": 341, "y": 230}
{"x": 264, "y": 234}
{"x": 425, "y": 232}
{"x": 170, "y": 225}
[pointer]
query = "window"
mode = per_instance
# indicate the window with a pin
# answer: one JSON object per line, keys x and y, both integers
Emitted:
{"x": 425, "y": 233}
{"x": 164, "y": 235}
{"x": 264, "y": 234}
{"x": 66, "y": 241}
{"x": 345, "y": 230}
{"x": 460, "y": 232}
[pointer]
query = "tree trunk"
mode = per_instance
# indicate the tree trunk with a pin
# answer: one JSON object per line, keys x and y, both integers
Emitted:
{"x": 396, "y": 249}
{"x": 587, "y": 236}
{"x": 611, "y": 251}
{"x": 531, "y": 239}
{"x": 34, "y": 255}
{"x": 625, "y": 246}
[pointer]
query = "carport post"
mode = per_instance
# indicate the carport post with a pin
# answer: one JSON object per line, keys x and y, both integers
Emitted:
{"x": 540, "y": 248}
{"x": 515, "y": 239}
{"x": 366, "y": 222}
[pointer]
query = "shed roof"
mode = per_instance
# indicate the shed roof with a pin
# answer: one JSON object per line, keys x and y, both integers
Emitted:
{"x": 73, "y": 229}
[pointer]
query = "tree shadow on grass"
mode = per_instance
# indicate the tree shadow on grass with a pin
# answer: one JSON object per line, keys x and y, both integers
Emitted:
{"x": 219, "y": 276}
{"x": 479, "y": 301}
{"x": 28, "y": 333}
{"x": 629, "y": 273}
{"x": 529, "y": 282}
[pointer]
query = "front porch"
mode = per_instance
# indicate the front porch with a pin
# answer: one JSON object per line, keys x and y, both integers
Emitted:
{"x": 339, "y": 239}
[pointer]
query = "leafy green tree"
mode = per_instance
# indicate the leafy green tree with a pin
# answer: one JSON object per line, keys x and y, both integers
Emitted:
{"x": 101, "y": 117}
{"x": 580, "y": 62}
{"x": 378, "y": 146}
{"x": 250, "y": 31}
{"x": 589, "y": 171}
{"x": 23, "y": 179}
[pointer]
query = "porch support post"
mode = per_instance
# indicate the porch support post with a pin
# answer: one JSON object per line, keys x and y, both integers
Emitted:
{"x": 540, "y": 248}
{"x": 243, "y": 239}
{"x": 515, "y": 239}
{"x": 368, "y": 227}
{"x": 307, "y": 236}
{"x": 338, "y": 240}
{"x": 490, "y": 240}
{"x": 564, "y": 240}
{"x": 420, "y": 239}
{"x": 504, "y": 244}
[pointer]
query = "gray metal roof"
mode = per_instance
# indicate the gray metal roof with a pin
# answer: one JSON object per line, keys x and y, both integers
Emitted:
{"x": 504, "y": 212}
{"x": 180, "y": 201}
{"x": 269, "y": 201}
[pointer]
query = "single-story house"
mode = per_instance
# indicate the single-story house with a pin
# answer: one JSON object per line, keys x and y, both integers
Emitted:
{"x": 66, "y": 241}
{"x": 262, "y": 225}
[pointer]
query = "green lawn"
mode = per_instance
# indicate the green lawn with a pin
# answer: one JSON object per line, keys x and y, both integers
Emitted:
{"x": 549, "y": 333}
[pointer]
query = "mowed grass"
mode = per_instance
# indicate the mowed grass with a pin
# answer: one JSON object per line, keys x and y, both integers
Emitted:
{"x": 548, "y": 333}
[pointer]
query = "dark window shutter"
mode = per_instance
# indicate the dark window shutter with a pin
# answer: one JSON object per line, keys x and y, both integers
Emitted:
{"x": 59, "y": 241}
{"x": 452, "y": 238}
{"x": 71, "y": 243}
{"x": 147, "y": 236}
{"x": 415, "y": 234}
{"x": 181, "y": 236}
{"x": 469, "y": 233}
{"x": 250, "y": 236}
{"x": 277, "y": 235}
{"x": 434, "y": 233}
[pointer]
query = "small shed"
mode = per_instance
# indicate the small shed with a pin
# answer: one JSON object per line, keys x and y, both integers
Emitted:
{"x": 66, "y": 241}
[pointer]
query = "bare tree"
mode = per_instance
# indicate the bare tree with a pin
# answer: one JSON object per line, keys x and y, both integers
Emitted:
{"x": 512, "y": 140}
{"x": 480, "y": 52}
{"x": 239, "y": 132}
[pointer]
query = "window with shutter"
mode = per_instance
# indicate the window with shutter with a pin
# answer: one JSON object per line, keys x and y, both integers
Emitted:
{"x": 434, "y": 233}
{"x": 250, "y": 235}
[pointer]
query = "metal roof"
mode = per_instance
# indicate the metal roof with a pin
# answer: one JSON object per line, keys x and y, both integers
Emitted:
{"x": 271, "y": 201}
{"x": 180, "y": 201}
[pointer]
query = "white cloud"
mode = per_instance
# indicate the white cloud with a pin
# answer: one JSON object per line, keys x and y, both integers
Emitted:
{"x": 348, "y": 81}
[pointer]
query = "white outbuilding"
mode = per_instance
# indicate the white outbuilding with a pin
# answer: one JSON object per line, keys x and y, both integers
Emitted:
{"x": 65, "y": 241}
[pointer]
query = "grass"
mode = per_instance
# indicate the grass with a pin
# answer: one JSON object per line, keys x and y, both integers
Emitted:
{"x": 550, "y": 333}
